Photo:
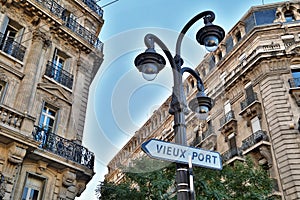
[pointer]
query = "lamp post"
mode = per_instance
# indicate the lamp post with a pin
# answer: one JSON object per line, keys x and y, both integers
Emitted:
{"x": 150, "y": 63}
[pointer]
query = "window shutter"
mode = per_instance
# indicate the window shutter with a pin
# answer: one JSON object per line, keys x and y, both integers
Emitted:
{"x": 4, "y": 24}
{"x": 19, "y": 35}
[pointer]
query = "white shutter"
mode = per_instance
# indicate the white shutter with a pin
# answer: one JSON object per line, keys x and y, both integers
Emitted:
{"x": 19, "y": 35}
{"x": 3, "y": 23}
{"x": 227, "y": 107}
{"x": 255, "y": 123}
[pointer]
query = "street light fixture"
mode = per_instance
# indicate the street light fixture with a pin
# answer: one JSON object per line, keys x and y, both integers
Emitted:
{"x": 150, "y": 63}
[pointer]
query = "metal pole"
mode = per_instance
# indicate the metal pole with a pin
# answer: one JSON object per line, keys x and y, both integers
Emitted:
{"x": 192, "y": 189}
{"x": 178, "y": 107}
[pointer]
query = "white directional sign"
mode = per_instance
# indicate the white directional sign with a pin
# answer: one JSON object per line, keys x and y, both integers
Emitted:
{"x": 180, "y": 154}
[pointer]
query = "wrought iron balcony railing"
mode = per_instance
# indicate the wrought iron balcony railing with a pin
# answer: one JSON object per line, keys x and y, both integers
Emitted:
{"x": 227, "y": 117}
{"x": 230, "y": 154}
{"x": 294, "y": 82}
{"x": 198, "y": 139}
{"x": 52, "y": 6}
{"x": 58, "y": 10}
{"x": 254, "y": 139}
{"x": 83, "y": 32}
{"x": 63, "y": 147}
{"x": 208, "y": 132}
{"x": 59, "y": 75}
{"x": 249, "y": 100}
{"x": 12, "y": 48}
{"x": 94, "y": 6}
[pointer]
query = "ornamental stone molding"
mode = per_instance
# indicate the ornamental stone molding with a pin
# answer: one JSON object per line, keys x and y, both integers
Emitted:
{"x": 41, "y": 167}
{"x": 280, "y": 12}
{"x": 266, "y": 153}
{"x": 69, "y": 178}
{"x": 16, "y": 153}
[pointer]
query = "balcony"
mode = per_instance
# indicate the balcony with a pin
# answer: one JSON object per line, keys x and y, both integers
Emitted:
{"x": 83, "y": 33}
{"x": 228, "y": 156}
{"x": 93, "y": 5}
{"x": 59, "y": 75}
{"x": 249, "y": 100}
{"x": 52, "y": 6}
{"x": 63, "y": 147}
{"x": 74, "y": 26}
{"x": 12, "y": 48}
{"x": 250, "y": 108}
{"x": 228, "y": 123}
{"x": 295, "y": 89}
{"x": 254, "y": 139}
{"x": 11, "y": 118}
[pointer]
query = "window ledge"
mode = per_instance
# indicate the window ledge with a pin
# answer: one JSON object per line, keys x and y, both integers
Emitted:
{"x": 55, "y": 82}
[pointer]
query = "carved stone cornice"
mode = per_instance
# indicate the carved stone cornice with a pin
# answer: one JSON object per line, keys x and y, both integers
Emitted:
{"x": 38, "y": 35}
{"x": 56, "y": 93}
{"x": 229, "y": 127}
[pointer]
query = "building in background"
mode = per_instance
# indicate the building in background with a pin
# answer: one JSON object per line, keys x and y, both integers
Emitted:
{"x": 49, "y": 55}
{"x": 254, "y": 79}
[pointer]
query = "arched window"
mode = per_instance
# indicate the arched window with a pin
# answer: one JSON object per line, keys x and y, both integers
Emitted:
{"x": 192, "y": 83}
{"x": 187, "y": 88}
{"x": 289, "y": 16}
{"x": 238, "y": 36}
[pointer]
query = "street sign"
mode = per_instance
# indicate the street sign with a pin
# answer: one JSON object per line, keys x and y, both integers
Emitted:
{"x": 180, "y": 154}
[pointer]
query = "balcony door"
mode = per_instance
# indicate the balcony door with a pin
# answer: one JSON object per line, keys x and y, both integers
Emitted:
{"x": 48, "y": 116}
{"x": 11, "y": 34}
{"x": 58, "y": 65}
{"x": 9, "y": 38}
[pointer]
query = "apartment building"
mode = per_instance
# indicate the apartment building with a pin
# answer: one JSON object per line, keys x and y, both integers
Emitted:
{"x": 49, "y": 55}
{"x": 254, "y": 80}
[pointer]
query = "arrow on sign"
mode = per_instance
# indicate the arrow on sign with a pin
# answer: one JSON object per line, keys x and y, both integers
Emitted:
{"x": 180, "y": 154}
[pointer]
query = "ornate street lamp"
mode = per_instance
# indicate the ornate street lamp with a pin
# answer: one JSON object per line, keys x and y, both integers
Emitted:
{"x": 150, "y": 63}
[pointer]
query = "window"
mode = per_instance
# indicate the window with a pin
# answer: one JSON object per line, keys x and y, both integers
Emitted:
{"x": 238, "y": 36}
{"x": 33, "y": 189}
{"x": 58, "y": 64}
{"x": 203, "y": 72}
{"x": 232, "y": 144}
{"x": 296, "y": 76}
{"x": 187, "y": 89}
{"x": 58, "y": 69}
{"x": 250, "y": 95}
{"x": 2, "y": 90}
{"x": 48, "y": 117}
{"x": 289, "y": 16}
{"x": 219, "y": 55}
{"x": 69, "y": 19}
{"x": 192, "y": 83}
{"x": 11, "y": 34}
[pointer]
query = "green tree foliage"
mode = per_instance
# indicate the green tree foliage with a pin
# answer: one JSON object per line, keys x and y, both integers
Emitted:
{"x": 155, "y": 180}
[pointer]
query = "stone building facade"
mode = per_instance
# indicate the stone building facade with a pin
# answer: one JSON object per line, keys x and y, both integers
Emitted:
{"x": 254, "y": 80}
{"x": 49, "y": 55}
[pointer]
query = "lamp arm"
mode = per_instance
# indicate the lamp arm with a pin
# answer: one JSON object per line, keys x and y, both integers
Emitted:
{"x": 208, "y": 16}
{"x": 200, "y": 85}
{"x": 150, "y": 39}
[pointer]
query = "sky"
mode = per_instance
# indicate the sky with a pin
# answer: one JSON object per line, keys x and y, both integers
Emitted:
{"x": 120, "y": 100}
